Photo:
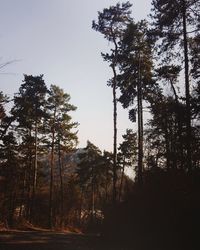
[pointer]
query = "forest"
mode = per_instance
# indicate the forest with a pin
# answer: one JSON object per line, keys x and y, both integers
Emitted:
{"x": 46, "y": 181}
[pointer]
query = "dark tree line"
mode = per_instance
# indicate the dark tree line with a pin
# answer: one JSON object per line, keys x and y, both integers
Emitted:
{"x": 38, "y": 128}
{"x": 45, "y": 180}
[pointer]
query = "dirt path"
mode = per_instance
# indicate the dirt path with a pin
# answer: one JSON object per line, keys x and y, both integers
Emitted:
{"x": 32, "y": 240}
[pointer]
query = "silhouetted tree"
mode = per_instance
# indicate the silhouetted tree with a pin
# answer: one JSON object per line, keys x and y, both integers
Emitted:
{"x": 29, "y": 112}
{"x": 173, "y": 22}
{"x": 91, "y": 175}
{"x": 107, "y": 170}
{"x": 62, "y": 137}
{"x": 169, "y": 74}
{"x": 2, "y": 102}
{"x": 5, "y": 120}
{"x": 135, "y": 79}
{"x": 10, "y": 171}
{"x": 127, "y": 153}
{"x": 111, "y": 23}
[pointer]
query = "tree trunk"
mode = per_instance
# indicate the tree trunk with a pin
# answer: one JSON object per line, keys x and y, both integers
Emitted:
{"x": 29, "y": 182}
{"x": 180, "y": 146}
{"x": 114, "y": 86}
{"x": 36, "y": 158}
{"x": 51, "y": 180}
{"x": 80, "y": 208}
{"x": 93, "y": 195}
{"x": 22, "y": 200}
{"x": 106, "y": 186}
{"x": 61, "y": 185}
{"x": 115, "y": 136}
{"x": 35, "y": 174}
{"x": 122, "y": 179}
{"x": 167, "y": 147}
{"x": 187, "y": 90}
{"x": 140, "y": 124}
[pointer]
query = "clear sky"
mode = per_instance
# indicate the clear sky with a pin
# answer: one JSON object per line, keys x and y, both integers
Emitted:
{"x": 55, "y": 38}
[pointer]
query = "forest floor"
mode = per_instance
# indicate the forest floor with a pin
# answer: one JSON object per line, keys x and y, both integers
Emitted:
{"x": 48, "y": 240}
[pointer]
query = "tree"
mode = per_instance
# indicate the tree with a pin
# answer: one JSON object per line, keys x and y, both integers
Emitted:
{"x": 29, "y": 112}
{"x": 62, "y": 137}
{"x": 2, "y": 101}
{"x": 42, "y": 127}
{"x": 169, "y": 75}
{"x": 90, "y": 175}
{"x": 111, "y": 23}
{"x": 135, "y": 79}
{"x": 162, "y": 131}
{"x": 173, "y": 22}
{"x": 107, "y": 171}
{"x": 127, "y": 153}
{"x": 195, "y": 56}
{"x": 195, "y": 72}
{"x": 9, "y": 169}
{"x": 196, "y": 102}
{"x": 5, "y": 120}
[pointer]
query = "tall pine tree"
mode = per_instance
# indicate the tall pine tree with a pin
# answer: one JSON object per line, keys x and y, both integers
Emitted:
{"x": 112, "y": 23}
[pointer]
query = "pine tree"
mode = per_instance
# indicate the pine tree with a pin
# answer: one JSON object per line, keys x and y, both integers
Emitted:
{"x": 127, "y": 153}
{"x": 10, "y": 170}
{"x": 63, "y": 138}
{"x": 135, "y": 79}
{"x": 173, "y": 22}
{"x": 90, "y": 174}
{"x": 29, "y": 112}
{"x": 111, "y": 23}
{"x": 5, "y": 120}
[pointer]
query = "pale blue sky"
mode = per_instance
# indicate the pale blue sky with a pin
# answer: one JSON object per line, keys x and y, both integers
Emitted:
{"x": 55, "y": 38}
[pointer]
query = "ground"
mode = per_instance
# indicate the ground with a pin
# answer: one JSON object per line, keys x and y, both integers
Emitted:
{"x": 43, "y": 240}
{"x": 37, "y": 240}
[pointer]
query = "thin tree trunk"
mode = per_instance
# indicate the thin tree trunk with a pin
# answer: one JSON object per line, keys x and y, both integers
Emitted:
{"x": 168, "y": 162}
{"x": 23, "y": 193}
{"x": 115, "y": 136}
{"x": 114, "y": 86}
{"x": 80, "y": 208}
{"x": 179, "y": 147}
{"x": 36, "y": 158}
{"x": 29, "y": 182}
{"x": 10, "y": 188}
{"x": 106, "y": 186}
{"x": 187, "y": 90}
{"x": 61, "y": 184}
{"x": 35, "y": 174}
{"x": 93, "y": 195}
{"x": 51, "y": 180}
{"x": 140, "y": 125}
{"x": 122, "y": 179}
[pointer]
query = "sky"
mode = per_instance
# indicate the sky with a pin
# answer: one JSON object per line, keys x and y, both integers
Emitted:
{"x": 55, "y": 38}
